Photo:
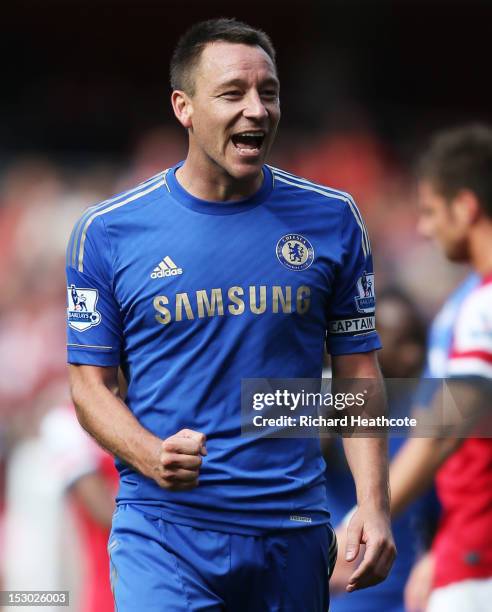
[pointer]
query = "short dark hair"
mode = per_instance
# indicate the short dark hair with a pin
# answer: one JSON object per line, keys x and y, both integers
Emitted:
{"x": 461, "y": 158}
{"x": 191, "y": 44}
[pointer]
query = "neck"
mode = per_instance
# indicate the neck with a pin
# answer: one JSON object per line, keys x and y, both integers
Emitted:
{"x": 481, "y": 248}
{"x": 206, "y": 180}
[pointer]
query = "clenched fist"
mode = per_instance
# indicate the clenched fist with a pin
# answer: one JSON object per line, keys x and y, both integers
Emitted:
{"x": 180, "y": 459}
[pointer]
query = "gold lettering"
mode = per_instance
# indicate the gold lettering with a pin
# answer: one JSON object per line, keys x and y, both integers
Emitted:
{"x": 182, "y": 299}
{"x": 159, "y": 304}
{"x": 255, "y": 309}
{"x": 210, "y": 302}
{"x": 237, "y": 306}
{"x": 203, "y": 303}
{"x": 303, "y": 299}
{"x": 285, "y": 301}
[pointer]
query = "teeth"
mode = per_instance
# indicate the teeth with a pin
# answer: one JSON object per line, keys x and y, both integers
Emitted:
{"x": 252, "y": 134}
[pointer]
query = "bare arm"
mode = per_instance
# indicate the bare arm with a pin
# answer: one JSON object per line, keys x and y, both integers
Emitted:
{"x": 414, "y": 468}
{"x": 173, "y": 463}
{"x": 455, "y": 412}
{"x": 419, "y": 584}
{"x": 93, "y": 493}
{"x": 368, "y": 461}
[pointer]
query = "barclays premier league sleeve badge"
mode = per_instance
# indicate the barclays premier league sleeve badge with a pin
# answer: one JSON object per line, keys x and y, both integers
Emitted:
{"x": 81, "y": 310}
{"x": 365, "y": 301}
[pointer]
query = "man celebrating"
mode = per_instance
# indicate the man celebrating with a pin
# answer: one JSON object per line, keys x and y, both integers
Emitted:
{"x": 207, "y": 519}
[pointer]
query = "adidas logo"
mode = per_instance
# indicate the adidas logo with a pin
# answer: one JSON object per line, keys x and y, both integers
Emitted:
{"x": 166, "y": 267}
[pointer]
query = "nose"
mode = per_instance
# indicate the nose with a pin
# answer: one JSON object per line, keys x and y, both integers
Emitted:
{"x": 254, "y": 107}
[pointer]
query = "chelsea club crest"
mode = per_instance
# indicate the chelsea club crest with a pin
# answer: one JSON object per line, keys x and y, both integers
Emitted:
{"x": 295, "y": 252}
{"x": 81, "y": 311}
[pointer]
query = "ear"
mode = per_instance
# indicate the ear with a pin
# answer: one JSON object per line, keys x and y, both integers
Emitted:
{"x": 467, "y": 207}
{"x": 182, "y": 107}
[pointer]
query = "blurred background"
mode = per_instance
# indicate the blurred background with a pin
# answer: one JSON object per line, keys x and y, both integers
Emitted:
{"x": 85, "y": 113}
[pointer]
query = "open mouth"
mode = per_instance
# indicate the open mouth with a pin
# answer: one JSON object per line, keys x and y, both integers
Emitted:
{"x": 248, "y": 142}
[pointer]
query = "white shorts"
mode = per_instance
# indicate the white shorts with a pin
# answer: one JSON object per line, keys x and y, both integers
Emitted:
{"x": 464, "y": 596}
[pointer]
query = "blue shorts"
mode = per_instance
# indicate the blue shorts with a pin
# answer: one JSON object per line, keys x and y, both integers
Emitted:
{"x": 160, "y": 566}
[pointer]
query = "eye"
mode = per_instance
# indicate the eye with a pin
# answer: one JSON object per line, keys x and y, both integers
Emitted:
{"x": 269, "y": 93}
{"x": 232, "y": 94}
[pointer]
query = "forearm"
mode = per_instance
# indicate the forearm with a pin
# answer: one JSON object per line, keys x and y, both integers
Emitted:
{"x": 94, "y": 494}
{"x": 370, "y": 523}
{"x": 414, "y": 468}
{"x": 368, "y": 462}
{"x": 107, "y": 418}
{"x": 367, "y": 457}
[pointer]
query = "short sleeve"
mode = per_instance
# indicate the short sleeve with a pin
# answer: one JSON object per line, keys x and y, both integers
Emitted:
{"x": 351, "y": 313}
{"x": 93, "y": 315}
{"x": 471, "y": 353}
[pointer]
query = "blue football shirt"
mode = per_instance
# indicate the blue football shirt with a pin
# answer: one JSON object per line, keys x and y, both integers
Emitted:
{"x": 189, "y": 297}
